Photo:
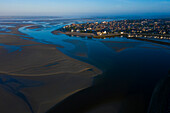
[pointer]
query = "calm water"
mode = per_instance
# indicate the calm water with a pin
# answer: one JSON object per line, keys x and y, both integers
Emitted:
{"x": 131, "y": 68}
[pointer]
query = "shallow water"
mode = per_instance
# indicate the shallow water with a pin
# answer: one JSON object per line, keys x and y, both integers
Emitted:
{"x": 11, "y": 48}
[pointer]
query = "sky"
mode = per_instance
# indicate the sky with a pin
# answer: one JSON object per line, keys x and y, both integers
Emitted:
{"x": 82, "y": 7}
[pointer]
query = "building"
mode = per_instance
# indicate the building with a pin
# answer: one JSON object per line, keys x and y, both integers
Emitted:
{"x": 99, "y": 33}
{"x": 104, "y": 32}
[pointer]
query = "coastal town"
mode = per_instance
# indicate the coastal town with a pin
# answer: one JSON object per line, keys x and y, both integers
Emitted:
{"x": 150, "y": 28}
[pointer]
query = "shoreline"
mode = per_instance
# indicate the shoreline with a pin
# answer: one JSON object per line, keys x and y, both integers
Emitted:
{"x": 73, "y": 33}
{"x": 56, "y": 32}
{"x": 114, "y": 35}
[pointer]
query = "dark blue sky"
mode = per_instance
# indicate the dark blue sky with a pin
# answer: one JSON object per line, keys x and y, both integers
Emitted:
{"x": 83, "y": 7}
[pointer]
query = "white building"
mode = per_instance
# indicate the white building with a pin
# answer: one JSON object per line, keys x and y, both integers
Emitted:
{"x": 77, "y": 30}
{"x": 104, "y": 32}
{"x": 121, "y": 33}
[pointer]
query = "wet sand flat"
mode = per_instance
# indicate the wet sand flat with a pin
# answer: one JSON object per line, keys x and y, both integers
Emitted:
{"x": 38, "y": 60}
{"x": 14, "y": 29}
{"x": 10, "y": 102}
{"x": 10, "y": 39}
{"x": 39, "y": 75}
{"x": 35, "y": 27}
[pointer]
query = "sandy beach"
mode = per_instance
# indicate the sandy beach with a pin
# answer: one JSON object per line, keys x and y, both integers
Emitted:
{"x": 73, "y": 33}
